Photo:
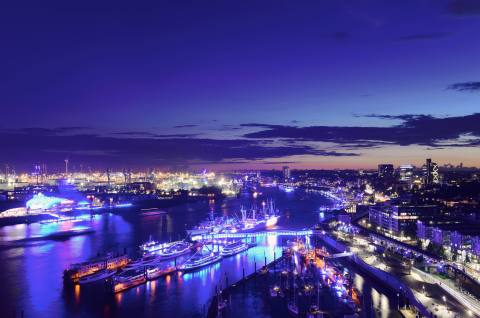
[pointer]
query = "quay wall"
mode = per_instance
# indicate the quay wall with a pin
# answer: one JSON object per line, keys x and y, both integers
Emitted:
{"x": 386, "y": 278}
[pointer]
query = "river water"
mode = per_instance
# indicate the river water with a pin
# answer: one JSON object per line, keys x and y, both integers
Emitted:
{"x": 31, "y": 273}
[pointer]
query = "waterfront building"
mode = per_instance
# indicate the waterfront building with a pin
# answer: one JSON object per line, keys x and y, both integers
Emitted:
{"x": 400, "y": 220}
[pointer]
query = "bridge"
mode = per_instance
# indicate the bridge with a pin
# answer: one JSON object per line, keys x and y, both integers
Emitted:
{"x": 252, "y": 234}
{"x": 340, "y": 255}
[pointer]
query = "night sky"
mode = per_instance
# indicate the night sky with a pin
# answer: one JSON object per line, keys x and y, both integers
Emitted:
{"x": 240, "y": 84}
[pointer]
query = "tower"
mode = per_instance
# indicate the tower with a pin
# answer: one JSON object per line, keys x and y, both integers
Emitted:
{"x": 66, "y": 167}
{"x": 286, "y": 173}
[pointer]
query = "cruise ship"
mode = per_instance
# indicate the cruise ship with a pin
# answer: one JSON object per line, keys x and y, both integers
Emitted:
{"x": 234, "y": 248}
{"x": 199, "y": 260}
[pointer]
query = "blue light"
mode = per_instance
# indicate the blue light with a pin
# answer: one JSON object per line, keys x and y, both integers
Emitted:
{"x": 41, "y": 202}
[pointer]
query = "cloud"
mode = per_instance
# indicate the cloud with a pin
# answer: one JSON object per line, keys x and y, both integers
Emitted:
{"x": 185, "y": 126}
{"x": 464, "y": 7}
{"x": 465, "y": 87}
{"x": 153, "y": 135}
{"x": 423, "y": 36}
{"x": 413, "y": 130}
{"x": 124, "y": 149}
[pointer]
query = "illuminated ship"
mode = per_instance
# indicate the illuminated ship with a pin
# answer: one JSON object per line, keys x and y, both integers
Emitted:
{"x": 80, "y": 270}
{"x": 166, "y": 250}
{"x": 144, "y": 261}
{"x": 199, "y": 260}
{"x": 154, "y": 272}
{"x": 128, "y": 279}
{"x": 175, "y": 249}
{"x": 234, "y": 248}
{"x": 211, "y": 226}
{"x": 100, "y": 276}
{"x": 258, "y": 221}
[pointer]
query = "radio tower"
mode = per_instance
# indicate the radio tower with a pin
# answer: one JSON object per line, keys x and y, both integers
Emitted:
{"x": 66, "y": 167}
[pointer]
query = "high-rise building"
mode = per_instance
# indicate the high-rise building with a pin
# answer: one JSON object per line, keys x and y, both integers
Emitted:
{"x": 406, "y": 173}
{"x": 286, "y": 172}
{"x": 430, "y": 172}
{"x": 385, "y": 170}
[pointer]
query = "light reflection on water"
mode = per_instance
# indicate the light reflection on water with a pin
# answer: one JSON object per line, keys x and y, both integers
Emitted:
{"x": 33, "y": 272}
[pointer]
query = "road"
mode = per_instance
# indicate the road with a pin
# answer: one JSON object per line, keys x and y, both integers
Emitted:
{"x": 437, "y": 301}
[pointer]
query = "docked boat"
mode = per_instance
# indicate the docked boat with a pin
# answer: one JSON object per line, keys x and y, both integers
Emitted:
{"x": 154, "y": 272}
{"x": 258, "y": 220}
{"x": 175, "y": 249}
{"x": 152, "y": 246}
{"x": 234, "y": 248}
{"x": 144, "y": 261}
{"x": 128, "y": 279}
{"x": 199, "y": 260}
{"x": 99, "y": 276}
{"x": 80, "y": 270}
{"x": 212, "y": 225}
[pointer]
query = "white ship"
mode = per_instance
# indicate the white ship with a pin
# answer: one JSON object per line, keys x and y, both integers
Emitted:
{"x": 199, "y": 260}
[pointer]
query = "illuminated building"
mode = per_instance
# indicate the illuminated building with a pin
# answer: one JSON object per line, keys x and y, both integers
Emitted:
{"x": 401, "y": 219}
{"x": 430, "y": 173}
{"x": 286, "y": 172}
{"x": 41, "y": 202}
{"x": 406, "y": 173}
{"x": 385, "y": 170}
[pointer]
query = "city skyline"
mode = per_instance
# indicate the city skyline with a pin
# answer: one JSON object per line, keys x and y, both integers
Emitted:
{"x": 241, "y": 85}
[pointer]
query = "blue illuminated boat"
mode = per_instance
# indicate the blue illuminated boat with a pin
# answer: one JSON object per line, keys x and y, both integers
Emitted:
{"x": 234, "y": 248}
{"x": 144, "y": 261}
{"x": 154, "y": 272}
{"x": 199, "y": 260}
{"x": 175, "y": 249}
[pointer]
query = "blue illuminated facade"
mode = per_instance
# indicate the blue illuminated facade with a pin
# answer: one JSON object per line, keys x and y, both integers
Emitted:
{"x": 42, "y": 202}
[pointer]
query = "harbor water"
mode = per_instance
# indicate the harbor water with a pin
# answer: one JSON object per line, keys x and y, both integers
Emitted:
{"x": 31, "y": 270}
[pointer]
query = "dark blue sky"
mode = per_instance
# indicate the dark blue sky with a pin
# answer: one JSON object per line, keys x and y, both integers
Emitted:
{"x": 171, "y": 75}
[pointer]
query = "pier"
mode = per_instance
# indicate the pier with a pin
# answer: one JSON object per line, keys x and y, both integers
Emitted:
{"x": 253, "y": 234}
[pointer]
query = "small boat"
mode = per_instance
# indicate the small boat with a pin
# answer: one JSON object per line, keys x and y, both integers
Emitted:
{"x": 99, "y": 276}
{"x": 154, "y": 272}
{"x": 174, "y": 249}
{"x": 234, "y": 248}
{"x": 199, "y": 260}
{"x": 128, "y": 279}
{"x": 144, "y": 261}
